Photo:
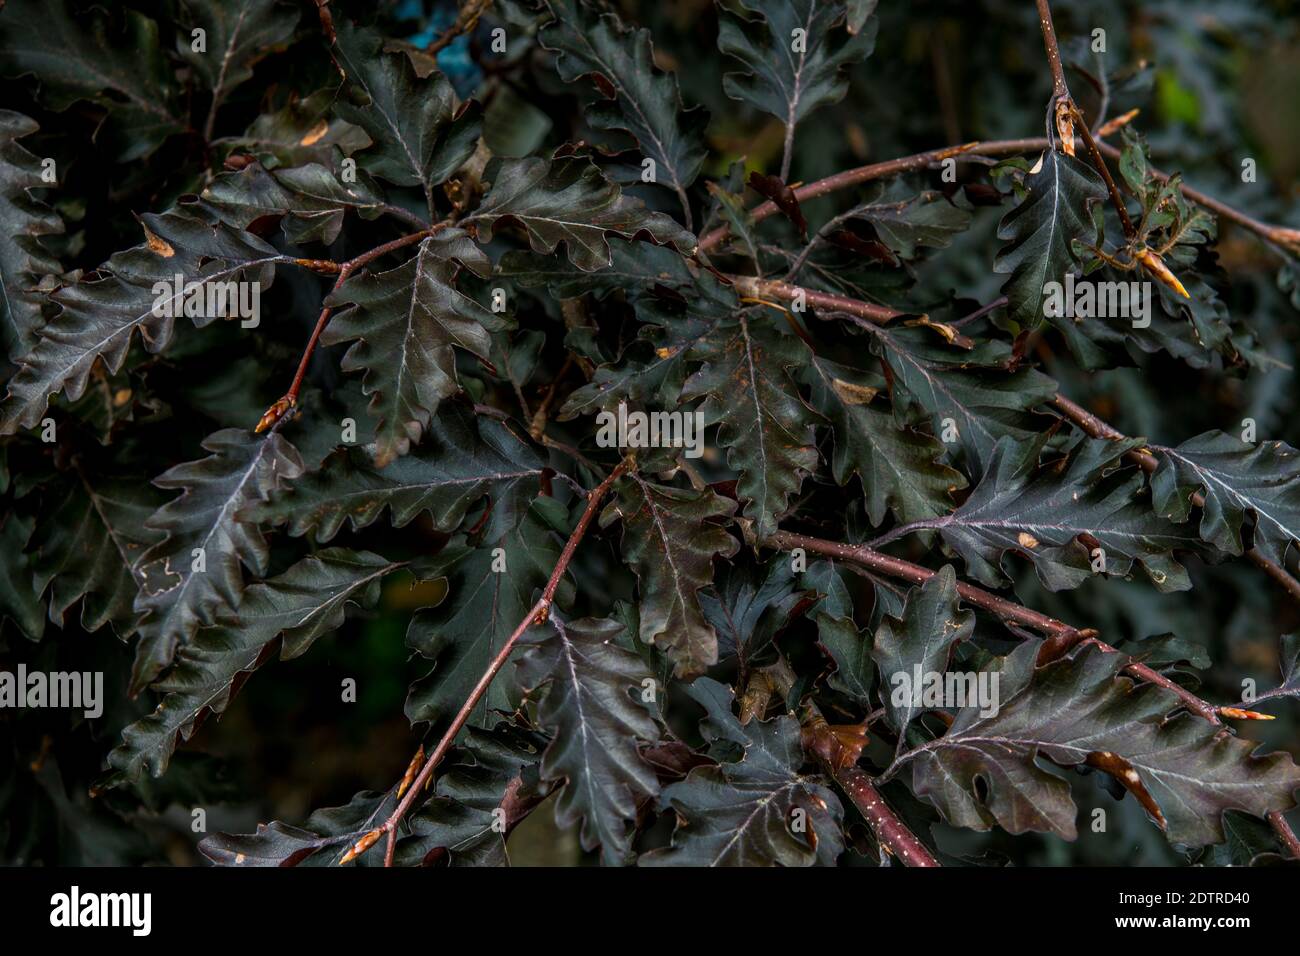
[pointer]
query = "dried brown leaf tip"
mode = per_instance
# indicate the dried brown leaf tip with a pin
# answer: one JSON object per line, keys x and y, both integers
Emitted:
{"x": 1115, "y": 125}
{"x": 949, "y": 333}
{"x": 756, "y": 697}
{"x": 315, "y": 133}
{"x": 840, "y": 745}
{"x": 1122, "y": 771}
{"x": 362, "y": 845}
{"x": 157, "y": 244}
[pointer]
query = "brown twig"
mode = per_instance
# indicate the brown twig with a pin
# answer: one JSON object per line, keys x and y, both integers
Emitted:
{"x": 1089, "y": 422}
{"x": 1284, "y": 832}
{"x": 536, "y": 615}
{"x": 1283, "y": 236}
{"x": 537, "y": 426}
{"x": 892, "y": 167}
{"x": 1142, "y": 457}
{"x": 1060, "y": 90}
{"x": 289, "y": 400}
{"x": 772, "y": 289}
{"x": 1062, "y": 637}
{"x": 1099, "y": 162}
{"x": 890, "y": 831}
{"x": 465, "y": 21}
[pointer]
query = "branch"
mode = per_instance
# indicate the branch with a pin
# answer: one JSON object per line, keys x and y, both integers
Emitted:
{"x": 1283, "y": 829}
{"x": 1283, "y": 236}
{"x": 1077, "y": 414}
{"x": 772, "y": 289}
{"x": 1060, "y": 90}
{"x": 892, "y": 167}
{"x": 289, "y": 400}
{"x": 1097, "y": 428}
{"x": 536, "y": 615}
{"x": 1099, "y": 162}
{"x": 1061, "y": 637}
{"x": 466, "y": 20}
{"x": 890, "y": 831}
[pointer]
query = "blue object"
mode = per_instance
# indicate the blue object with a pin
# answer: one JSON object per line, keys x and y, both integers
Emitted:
{"x": 454, "y": 59}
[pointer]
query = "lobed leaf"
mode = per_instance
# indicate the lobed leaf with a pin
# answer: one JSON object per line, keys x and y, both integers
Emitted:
{"x": 403, "y": 324}
{"x": 1187, "y": 770}
{"x": 1235, "y": 479}
{"x": 762, "y": 419}
{"x": 899, "y": 467}
{"x": 569, "y": 200}
{"x": 194, "y": 572}
{"x": 461, "y": 459}
{"x": 923, "y": 637}
{"x": 419, "y": 135}
{"x": 756, "y": 811}
{"x": 1048, "y": 517}
{"x": 643, "y": 101}
{"x": 795, "y": 54}
{"x": 23, "y": 221}
{"x": 101, "y": 313}
{"x": 93, "y": 537}
{"x": 1041, "y": 231}
{"x": 295, "y": 608}
{"x": 584, "y": 684}
{"x": 670, "y": 540}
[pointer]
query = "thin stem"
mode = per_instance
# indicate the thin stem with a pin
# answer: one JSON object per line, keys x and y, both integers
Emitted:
{"x": 210, "y": 123}
{"x": 1060, "y": 90}
{"x": 816, "y": 241}
{"x": 977, "y": 151}
{"x": 979, "y": 313}
{"x": 536, "y": 615}
{"x": 687, "y": 218}
{"x": 891, "y": 832}
{"x": 1284, "y": 832}
{"x": 772, "y": 289}
{"x": 1099, "y": 162}
{"x": 290, "y": 398}
{"x": 892, "y": 167}
{"x": 1097, "y": 428}
{"x": 465, "y": 21}
{"x": 903, "y": 530}
{"x": 1062, "y": 637}
{"x": 788, "y": 154}
{"x": 408, "y": 217}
